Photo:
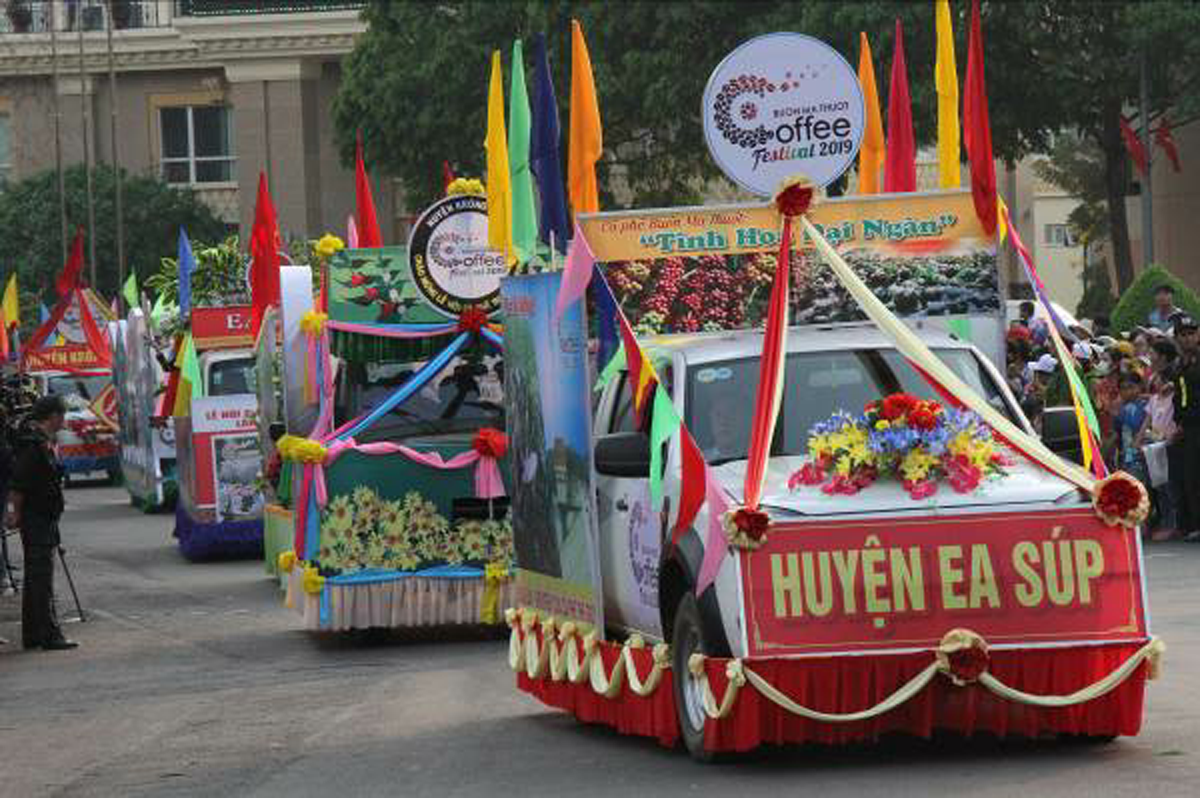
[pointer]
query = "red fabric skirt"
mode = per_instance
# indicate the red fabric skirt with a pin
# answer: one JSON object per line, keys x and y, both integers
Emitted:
{"x": 852, "y": 683}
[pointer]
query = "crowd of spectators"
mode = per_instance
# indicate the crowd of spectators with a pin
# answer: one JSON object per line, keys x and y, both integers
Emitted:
{"x": 1144, "y": 385}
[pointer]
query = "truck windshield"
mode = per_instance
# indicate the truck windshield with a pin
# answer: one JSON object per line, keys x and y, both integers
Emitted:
{"x": 721, "y": 395}
{"x": 228, "y": 377}
{"x": 464, "y": 398}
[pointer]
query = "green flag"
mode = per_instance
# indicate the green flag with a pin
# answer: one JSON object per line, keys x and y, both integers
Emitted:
{"x": 611, "y": 370}
{"x": 664, "y": 422}
{"x": 130, "y": 291}
{"x": 524, "y": 214}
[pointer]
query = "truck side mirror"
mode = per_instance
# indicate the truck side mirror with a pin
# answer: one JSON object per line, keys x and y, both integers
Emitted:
{"x": 1060, "y": 433}
{"x": 623, "y": 454}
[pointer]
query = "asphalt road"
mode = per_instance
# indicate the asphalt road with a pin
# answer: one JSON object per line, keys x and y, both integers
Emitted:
{"x": 194, "y": 680}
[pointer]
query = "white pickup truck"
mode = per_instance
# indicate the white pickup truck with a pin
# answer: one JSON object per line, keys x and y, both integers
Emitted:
{"x": 648, "y": 584}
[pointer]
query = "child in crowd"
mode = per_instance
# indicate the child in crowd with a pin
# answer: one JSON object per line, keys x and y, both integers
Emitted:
{"x": 1127, "y": 426}
{"x": 1159, "y": 427}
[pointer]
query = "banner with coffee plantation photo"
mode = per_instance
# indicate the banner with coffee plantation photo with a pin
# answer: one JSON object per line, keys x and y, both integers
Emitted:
{"x": 925, "y": 255}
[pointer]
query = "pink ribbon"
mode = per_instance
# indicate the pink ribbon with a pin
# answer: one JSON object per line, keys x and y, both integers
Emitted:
{"x": 716, "y": 547}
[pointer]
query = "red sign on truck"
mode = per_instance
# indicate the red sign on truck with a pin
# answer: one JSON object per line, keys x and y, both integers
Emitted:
{"x": 222, "y": 328}
{"x": 901, "y": 583}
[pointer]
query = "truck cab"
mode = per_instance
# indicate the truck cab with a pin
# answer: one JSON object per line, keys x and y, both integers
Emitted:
{"x": 649, "y": 583}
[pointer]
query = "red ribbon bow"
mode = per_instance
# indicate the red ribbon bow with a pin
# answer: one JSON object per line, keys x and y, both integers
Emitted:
{"x": 472, "y": 320}
{"x": 490, "y": 443}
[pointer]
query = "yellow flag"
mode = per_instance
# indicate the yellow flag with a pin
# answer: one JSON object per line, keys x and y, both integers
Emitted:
{"x": 1001, "y": 220}
{"x": 871, "y": 153}
{"x": 11, "y": 305}
{"x": 586, "y": 138}
{"x": 499, "y": 187}
{"x": 946, "y": 79}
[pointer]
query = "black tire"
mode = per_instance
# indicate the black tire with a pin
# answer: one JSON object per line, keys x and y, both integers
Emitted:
{"x": 688, "y": 638}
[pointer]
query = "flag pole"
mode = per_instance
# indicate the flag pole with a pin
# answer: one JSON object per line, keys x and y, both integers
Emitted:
{"x": 116, "y": 165}
{"x": 58, "y": 167}
{"x": 86, "y": 114}
{"x": 1147, "y": 184}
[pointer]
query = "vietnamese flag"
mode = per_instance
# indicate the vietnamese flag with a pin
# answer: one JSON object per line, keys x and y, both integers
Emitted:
{"x": 264, "y": 256}
{"x": 368, "y": 225}
{"x": 977, "y": 130}
{"x": 900, "y": 165}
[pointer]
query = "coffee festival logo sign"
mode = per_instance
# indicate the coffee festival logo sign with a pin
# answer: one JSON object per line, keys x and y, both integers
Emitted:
{"x": 449, "y": 256}
{"x": 780, "y": 105}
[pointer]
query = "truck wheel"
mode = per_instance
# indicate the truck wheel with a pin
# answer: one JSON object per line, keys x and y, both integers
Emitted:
{"x": 688, "y": 639}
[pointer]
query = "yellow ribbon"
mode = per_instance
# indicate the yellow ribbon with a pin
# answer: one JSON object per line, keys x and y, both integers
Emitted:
{"x": 286, "y": 560}
{"x": 494, "y": 575}
{"x": 314, "y": 583}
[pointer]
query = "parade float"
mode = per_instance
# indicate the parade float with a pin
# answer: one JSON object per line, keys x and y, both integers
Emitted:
{"x": 821, "y": 533}
{"x": 70, "y": 355}
{"x": 398, "y": 491}
{"x": 147, "y": 429}
{"x": 218, "y": 462}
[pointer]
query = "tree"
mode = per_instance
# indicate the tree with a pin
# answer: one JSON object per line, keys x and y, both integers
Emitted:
{"x": 154, "y": 212}
{"x": 415, "y": 82}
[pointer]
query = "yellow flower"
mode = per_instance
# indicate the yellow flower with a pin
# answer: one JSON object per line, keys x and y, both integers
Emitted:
{"x": 916, "y": 465}
{"x": 882, "y": 424}
{"x": 463, "y": 185}
{"x": 329, "y": 245}
{"x": 313, "y": 582}
{"x": 312, "y": 323}
{"x": 287, "y": 559}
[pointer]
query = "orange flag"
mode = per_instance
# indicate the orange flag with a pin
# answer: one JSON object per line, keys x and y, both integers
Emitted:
{"x": 586, "y": 138}
{"x": 872, "y": 151}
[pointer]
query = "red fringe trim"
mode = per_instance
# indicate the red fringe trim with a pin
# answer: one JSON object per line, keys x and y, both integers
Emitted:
{"x": 853, "y": 683}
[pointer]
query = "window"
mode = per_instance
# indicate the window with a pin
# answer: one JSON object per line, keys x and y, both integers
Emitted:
{"x": 228, "y": 377}
{"x": 1058, "y": 235}
{"x": 817, "y": 383}
{"x": 197, "y": 144}
{"x": 5, "y": 149}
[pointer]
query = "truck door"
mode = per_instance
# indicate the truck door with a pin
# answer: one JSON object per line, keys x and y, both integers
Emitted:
{"x": 629, "y": 528}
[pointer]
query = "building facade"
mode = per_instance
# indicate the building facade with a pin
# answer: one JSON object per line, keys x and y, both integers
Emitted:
{"x": 208, "y": 93}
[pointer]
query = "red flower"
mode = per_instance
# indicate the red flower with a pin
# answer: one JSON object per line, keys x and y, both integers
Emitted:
{"x": 921, "y": 489}
{"x": 386, "y": 309}
{"x": 472, "y": 320}
{"x": 751, "y": 523}
{"x": 810, "y": 474}
{"x": 968, "y": 664}
{"x": 371, "y": 294}
{"x": 922, "y": 418}
{"x": 357, "y": 279}
{"x": 1118, "y": 497}
{"x": 898, "y": 405}
{"x": 871, "y": 407}
{"x": 794, "y": 199}
{"x": 490, "y": 443}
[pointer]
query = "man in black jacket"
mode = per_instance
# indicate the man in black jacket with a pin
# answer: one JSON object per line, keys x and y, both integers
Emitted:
{"x": 1187, "y": 418}
{"x": 35, "y": 505}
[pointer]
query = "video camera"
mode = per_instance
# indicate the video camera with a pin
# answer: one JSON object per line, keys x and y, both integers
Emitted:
{"x": 17, "y": 397}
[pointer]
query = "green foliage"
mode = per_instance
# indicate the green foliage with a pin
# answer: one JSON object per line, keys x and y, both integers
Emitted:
{"x": 1136, "y": 302}
{"x": 219, "y": 278}
{"x": 154, "y": 212}
{"x": 1076, "y": 165}
{"x": 1097, "y": 299}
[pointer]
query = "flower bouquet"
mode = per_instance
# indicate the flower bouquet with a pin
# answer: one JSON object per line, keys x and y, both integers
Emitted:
{"x": 914, "y": 440}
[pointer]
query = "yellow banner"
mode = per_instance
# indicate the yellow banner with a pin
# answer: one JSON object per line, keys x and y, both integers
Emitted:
{"x": 925, "y": 223}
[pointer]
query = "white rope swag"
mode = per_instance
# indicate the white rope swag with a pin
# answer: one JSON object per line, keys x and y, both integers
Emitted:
{"x": 557, "y": 658}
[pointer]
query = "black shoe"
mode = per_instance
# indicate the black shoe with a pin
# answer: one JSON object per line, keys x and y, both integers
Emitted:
{"x": 60, "y": 645}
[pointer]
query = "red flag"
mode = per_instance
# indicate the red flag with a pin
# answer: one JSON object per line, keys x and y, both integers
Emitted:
{"x": 640, "y": 372}
{"x": 977, "y": 130}
{"x": 1133, "y": 143}
{"x": 692, "y": 485}
{"x": 1164, "y": 139}
{"x": 770, "y": 373}
{"x": 447, "y": 175}
{"x": 899, "y": 166}
{"x": 264, "y": 257}
{"x": 368, "y": 225}
{"x": 69, "y": 278}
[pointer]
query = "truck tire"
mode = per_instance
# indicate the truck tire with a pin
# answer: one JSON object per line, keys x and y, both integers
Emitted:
{"x": 688, "y": 638}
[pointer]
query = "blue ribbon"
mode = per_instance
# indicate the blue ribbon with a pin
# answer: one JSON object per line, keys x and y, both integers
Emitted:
{"x": 414, "y": 384}
{"x": 326, "y": 608}
{"x": 369, "y": 576}
{"x": 492, "y": 338}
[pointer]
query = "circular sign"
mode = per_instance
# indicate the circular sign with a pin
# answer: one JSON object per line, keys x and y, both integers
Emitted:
{"x": 782, "y": 105}
{"x": 449, "y": 256}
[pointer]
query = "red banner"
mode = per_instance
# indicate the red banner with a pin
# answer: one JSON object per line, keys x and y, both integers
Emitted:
{"x": 69, "y": 357}
{"x": 901, "y": 583}
{"x": 104, "y": 406}
{"x": 222, "y": 328}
